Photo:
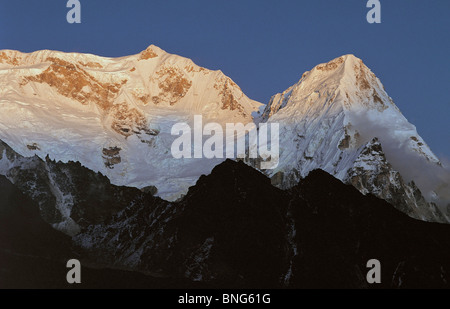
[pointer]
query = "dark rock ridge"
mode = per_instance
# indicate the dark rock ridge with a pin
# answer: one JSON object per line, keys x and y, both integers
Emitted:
{"x": 373, "y": 173}
{"x": 233, "y": 229}
{"x": 338, "y": 230}
{"x": 34, "y": 255}
{"x": 69, "y": 195}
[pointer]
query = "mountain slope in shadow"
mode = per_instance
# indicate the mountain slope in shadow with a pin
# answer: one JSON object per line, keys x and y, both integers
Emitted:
{"x": 34, "y": 255}
{"x": 233, "y": 229}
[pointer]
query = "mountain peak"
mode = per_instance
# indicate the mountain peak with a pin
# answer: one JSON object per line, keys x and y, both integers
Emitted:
{"x": 344, "y": 82}
{"x": 124, "y": 106}
{"x": 343, "y": 64}
{"x": 152, "y": 51}
{"x": 334, "y": 110}
{"x": 351, "y": 59}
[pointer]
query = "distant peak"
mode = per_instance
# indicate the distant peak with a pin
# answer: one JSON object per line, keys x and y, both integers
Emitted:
{"x": 151, "y": 52}
{"x": 349, "y": 61}
{"x": 350, "y": 57}
{"x": 350, "y": 71}
{"x": 154, "y": 48}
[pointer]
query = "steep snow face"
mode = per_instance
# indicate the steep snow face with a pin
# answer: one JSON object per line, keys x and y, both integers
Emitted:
{"x": 36, "y": 179}
{"x": 70, "y": 197}
{"x": 332, "y": 115}
{"x": 114, "y": 115}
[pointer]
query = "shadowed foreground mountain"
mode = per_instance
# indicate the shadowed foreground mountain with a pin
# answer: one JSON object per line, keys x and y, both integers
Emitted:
{"x": 33, "y": 255}
{"x": 232, "y": 230}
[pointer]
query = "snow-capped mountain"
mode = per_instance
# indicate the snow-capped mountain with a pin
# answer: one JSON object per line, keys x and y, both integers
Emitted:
{"x": 114, "y": 115}
{"x": 339, "y": 118}
{"x": 76, "y": 128}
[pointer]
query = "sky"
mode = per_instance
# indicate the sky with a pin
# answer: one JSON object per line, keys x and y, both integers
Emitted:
{"x": 263, "y": 45}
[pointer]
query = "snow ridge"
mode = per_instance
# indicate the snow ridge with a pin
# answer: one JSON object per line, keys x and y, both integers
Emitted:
{"x": 332, "y": 115}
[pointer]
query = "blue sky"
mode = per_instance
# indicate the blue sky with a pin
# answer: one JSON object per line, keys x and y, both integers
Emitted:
{"x": 264, "y": 45}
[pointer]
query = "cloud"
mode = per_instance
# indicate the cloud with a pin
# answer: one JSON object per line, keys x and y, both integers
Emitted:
{"x": 397, "y": 137}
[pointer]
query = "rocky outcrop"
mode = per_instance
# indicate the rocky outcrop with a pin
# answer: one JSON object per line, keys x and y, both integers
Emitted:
{"x": 372, "y": 173}
{"x": 69, "y": 196}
